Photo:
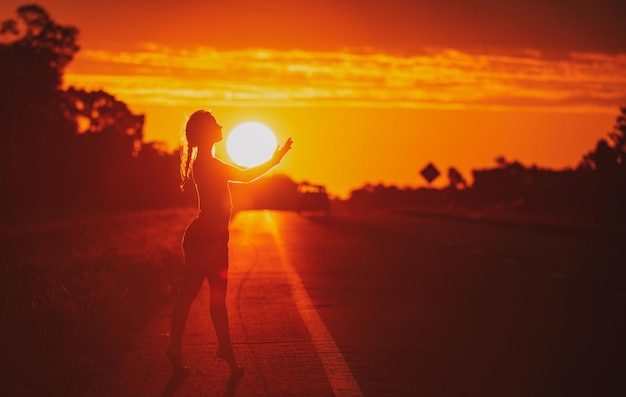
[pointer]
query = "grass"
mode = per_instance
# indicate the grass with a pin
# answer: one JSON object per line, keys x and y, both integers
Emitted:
{"x": 74, "y": 294}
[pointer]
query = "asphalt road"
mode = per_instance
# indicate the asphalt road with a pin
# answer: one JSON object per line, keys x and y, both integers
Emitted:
{"x": 423, "y": 306}
{"x": 402, "y": 306}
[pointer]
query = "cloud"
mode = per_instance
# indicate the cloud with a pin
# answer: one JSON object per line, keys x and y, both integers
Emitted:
{"x": 436, "y": 78}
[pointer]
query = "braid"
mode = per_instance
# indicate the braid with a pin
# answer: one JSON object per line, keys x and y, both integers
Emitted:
{"x": 190, "y": 138}
{"x": 187, "y": 156}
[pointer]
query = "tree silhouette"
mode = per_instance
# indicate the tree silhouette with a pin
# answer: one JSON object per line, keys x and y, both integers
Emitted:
{"x": 100, "y": 114}
{"x": 609, "y": 154}
{"x": 109, "y": 138}
{"x": 35, "y": 51}
{"x": 456, "y": 180}
{"x": 608, "y": 160}
{"x": 618, "y": 137}
{"x": 68, "y": 150}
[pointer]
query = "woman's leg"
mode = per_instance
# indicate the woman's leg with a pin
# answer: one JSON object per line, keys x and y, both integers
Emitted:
{"x": 218, "y": 281}
{"x": 192, "y": 282}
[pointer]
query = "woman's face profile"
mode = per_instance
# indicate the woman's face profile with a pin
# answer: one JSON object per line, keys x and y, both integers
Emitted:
{"x": 215, "y": 131}
{"x": 210, "y": 131}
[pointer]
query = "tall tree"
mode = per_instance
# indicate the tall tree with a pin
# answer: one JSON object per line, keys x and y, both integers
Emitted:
{"x": 608, "y": 164}
{"x": 109, "y": 140}
{"x": 34, "y": 51}
{"x": 68, "y": 149}
{"x": 618, "y": 137}
{"x": 456, "y": 179}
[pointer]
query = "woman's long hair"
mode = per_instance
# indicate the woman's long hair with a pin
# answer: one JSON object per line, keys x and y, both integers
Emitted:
{"x": 190, "y": 140}
{"x": 187, "y": 156}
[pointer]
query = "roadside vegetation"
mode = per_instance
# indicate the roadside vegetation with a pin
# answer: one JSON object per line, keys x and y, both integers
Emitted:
{"x": 74, "y": 294}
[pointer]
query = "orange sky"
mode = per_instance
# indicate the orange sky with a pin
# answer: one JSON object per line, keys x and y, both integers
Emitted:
{"x": 370, "y": 91}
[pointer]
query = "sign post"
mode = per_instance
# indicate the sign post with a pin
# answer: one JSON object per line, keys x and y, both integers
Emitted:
{"x": 430, "y": 173}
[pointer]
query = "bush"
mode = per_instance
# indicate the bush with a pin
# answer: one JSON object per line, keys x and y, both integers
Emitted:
{"x": 75, "y": 293}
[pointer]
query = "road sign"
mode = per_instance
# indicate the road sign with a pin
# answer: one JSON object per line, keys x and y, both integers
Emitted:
{"x": 430, "y": 172}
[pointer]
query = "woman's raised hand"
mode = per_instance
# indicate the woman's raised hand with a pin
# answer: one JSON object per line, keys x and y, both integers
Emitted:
{"x": 281, "y": 151}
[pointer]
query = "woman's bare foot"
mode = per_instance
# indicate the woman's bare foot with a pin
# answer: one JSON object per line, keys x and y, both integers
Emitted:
{"x": 227, "y": 355}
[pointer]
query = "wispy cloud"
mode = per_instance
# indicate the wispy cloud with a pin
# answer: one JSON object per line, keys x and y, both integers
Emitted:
{"x": 437, "y": 78}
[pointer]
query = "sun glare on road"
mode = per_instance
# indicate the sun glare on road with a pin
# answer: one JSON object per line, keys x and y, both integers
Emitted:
{"x": 251, "y": 144}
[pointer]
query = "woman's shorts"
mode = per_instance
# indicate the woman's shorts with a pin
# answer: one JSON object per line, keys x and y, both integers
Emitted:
{"x": 202, "y": 233}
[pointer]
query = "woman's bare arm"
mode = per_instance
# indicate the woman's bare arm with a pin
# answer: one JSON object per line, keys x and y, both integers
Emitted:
{"x": 246, "y": 175}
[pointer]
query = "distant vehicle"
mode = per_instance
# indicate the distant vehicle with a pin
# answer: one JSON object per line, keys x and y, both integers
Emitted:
{"x": 313, "y": 198}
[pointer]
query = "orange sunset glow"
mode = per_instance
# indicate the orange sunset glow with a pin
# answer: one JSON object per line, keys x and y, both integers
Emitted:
{"x": 312, "y": 198}
{"x": 369, "y": 92}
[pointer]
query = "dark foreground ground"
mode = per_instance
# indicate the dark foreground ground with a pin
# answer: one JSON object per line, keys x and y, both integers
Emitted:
{"x": 402, "y": 306}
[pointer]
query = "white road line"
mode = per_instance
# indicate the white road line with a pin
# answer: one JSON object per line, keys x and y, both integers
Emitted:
{"x": 337, "y": 371}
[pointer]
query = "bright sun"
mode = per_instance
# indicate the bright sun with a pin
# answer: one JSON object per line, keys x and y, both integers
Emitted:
{"x": 251, "y": 144}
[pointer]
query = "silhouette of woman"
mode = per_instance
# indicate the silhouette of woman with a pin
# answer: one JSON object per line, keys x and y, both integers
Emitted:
{"x": 205, "y": 243}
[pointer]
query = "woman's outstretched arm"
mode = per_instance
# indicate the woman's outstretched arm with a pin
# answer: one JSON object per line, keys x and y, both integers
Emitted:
{"x": 250, "y": 174}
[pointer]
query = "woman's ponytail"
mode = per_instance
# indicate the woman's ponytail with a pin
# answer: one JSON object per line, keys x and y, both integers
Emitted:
{"x": 190, "y": 139}
{"x": 187, "y": 156}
